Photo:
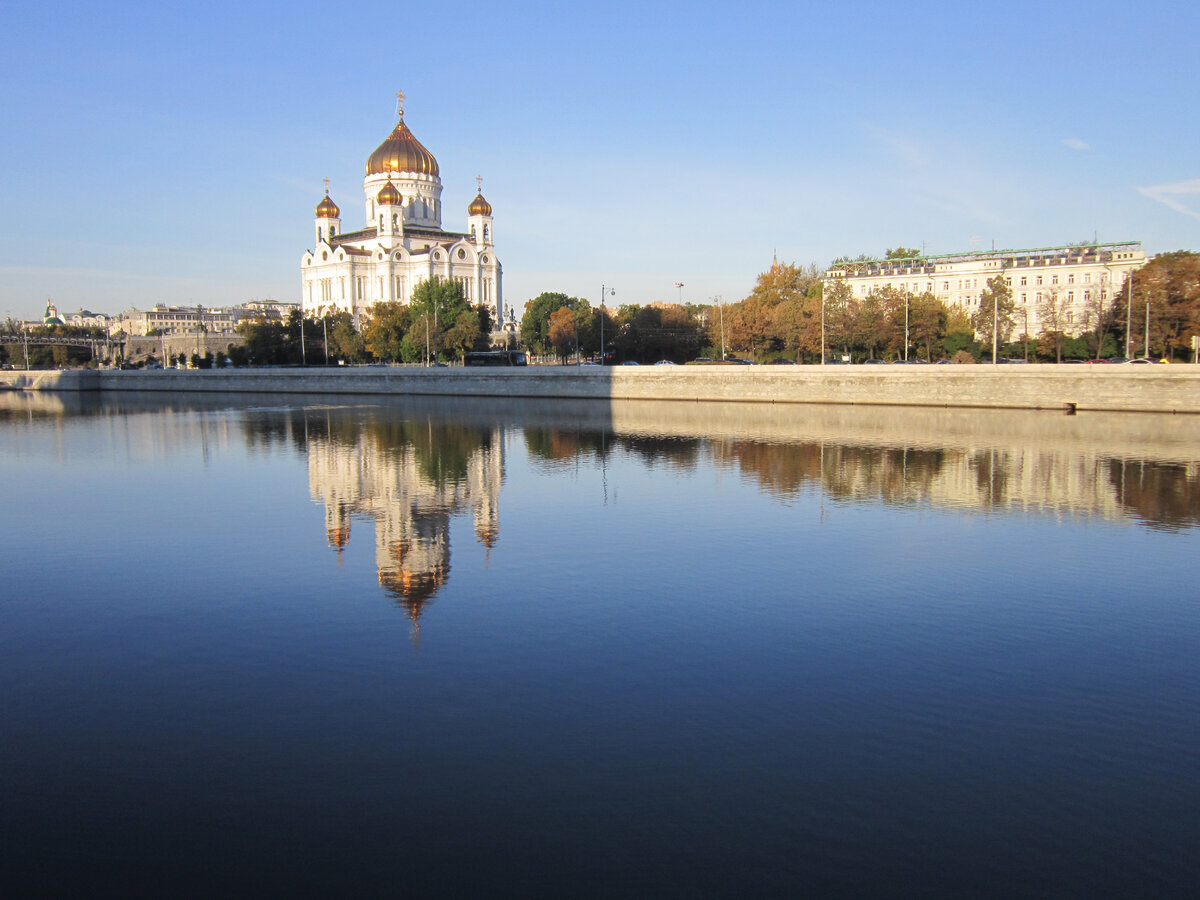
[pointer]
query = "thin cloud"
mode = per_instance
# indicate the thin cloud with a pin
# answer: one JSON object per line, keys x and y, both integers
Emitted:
{"x": 1076, "y": 144}
{"x": 1168, "y": 195}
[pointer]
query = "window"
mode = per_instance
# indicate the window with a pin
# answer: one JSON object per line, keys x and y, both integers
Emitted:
{"x": 1087, "y": 278}
{"x": 1087, "y": 296}
{"x": 1054, "y": 279}
{"x": 1071, "y": 278}
{"x": 1024, "y": 281}
{"x": 1039, "y": 281}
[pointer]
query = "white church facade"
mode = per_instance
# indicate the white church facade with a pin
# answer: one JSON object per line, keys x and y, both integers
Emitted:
{"x": 402, "y": 242}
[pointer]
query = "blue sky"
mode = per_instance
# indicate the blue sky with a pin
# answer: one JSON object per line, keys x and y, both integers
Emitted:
{"x": 174, "y": 153}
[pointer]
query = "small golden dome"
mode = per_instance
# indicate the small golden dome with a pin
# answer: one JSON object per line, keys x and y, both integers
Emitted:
{"x": 327, "y": 209}
{"x": 479, "y": 207}
{"x": 401, "y": 152}
{"x": 388, "y": 195}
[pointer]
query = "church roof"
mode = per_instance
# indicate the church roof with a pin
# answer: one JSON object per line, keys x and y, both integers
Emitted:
{"x": 388, "y": 195}
{"x": 401, "y": 152}
{"x": 327, "y": 209}
{"x": 479, "y": 206}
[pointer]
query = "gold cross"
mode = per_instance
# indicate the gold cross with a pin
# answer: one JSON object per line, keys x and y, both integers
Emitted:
{"x": 400, "y": 104}
{"x": 479, "y": 182}
{"x": 326, "y": 179}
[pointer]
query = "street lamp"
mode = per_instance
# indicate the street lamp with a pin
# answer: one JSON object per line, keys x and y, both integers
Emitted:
{"x": 679, "y": 285}
{"x": 605, "y": 292}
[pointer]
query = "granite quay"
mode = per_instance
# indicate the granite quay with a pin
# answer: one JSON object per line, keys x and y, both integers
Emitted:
{"x": 1162, "y": 388}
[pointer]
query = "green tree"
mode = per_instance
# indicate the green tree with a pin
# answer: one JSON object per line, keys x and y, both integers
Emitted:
{"x": 902, "y": 253}
{"x": 535, "y": 323}
{"x": 387, "y": 326}
{"x": 927, "y": 319}
{"x": 463, "y": 335}
{"x": 345, "y": 341}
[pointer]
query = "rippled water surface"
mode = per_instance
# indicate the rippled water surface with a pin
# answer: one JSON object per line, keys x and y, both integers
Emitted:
{"x": 495, "y": 648}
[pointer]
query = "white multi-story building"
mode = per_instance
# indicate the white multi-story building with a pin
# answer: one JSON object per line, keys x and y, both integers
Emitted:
{"x": 173, "y": 320}
{"x": 1053, "y": 288}
{"x": 402, "y": 243}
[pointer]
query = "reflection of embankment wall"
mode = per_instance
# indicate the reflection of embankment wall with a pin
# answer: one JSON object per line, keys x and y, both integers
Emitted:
{"x": 1134, "y": 388}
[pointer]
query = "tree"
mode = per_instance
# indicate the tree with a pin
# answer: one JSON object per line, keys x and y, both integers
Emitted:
{"x": 993, "y": 320}
{"x": 1052, "y": 319}
{"x": 345, "y": 341}
{"x": 902, "y": 253}
{"x": 562, "y": 332}
{"x": 1170, "y": 284}
{"x": 387, "y": 325}
{"x": 840, "y": 310}
{"x": 535, "y": 323}
{"x": 463, "y": 335}
{"x": 927, "y": 320}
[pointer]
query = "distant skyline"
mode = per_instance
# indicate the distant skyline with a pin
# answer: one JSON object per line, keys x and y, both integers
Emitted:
{"x": 174, "y": 154}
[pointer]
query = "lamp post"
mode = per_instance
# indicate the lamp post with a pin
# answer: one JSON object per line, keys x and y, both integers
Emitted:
{"x": 822, "y": 286}
{"x": 1129, "y": 318}
{"x": 1147, "y": 347}
{"x": 604, "y": 292}
{"x": 721, "y": 307}
{"x": 679, "y": 286}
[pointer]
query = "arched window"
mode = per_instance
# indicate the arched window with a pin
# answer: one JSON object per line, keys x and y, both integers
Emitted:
{"x": 395, "y": 219}
{"x": 485, "y": 232}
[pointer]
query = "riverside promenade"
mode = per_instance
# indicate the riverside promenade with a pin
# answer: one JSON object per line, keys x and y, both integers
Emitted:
{"x": 1153, "y": 388}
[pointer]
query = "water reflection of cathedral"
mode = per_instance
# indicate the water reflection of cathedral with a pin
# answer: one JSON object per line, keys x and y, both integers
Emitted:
{"x": 410, "y": 485}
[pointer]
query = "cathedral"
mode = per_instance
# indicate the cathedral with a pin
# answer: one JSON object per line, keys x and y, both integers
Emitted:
{"x": 402, "y": 242}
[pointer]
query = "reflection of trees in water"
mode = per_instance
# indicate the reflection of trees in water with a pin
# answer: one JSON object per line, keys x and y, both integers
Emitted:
{"x": 896, "y": 475}
{"x": 1164, "y": 495}
{"x": 680, "y": 454}
{"x": 552, "y": 448}
{"x": 992, "y": 469}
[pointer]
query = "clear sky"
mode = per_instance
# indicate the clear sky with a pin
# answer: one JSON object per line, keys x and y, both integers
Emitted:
{"x": 163, "y": 152}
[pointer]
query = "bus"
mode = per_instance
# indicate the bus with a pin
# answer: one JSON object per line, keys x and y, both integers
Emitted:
{"x": 495, "y": 358}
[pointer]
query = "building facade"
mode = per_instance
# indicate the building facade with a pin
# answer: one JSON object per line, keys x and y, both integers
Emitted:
{"x": 1053, "y": 288}
{"x": 174, "y": 320}
{"x": 402, "y": 242}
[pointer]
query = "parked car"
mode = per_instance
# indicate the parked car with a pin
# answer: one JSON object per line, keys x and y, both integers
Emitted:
{"x": 664, "y": 362}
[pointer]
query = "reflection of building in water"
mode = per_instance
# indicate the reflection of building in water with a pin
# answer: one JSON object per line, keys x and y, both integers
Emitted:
{"x": 1108, "y": 466}
{"x": 411, "y": 492}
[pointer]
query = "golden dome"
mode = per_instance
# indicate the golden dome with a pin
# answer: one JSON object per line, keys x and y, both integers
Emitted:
{"x": 327, "y": 209}
{"x": 401, "y": 152}
{"x": 388, "y": 195}
{"x": 479, "y": 207}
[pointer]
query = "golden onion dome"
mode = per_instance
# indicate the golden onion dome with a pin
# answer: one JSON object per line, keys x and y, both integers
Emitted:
{"x": 388, "y": 195}
{"x": 479, "y": 207}
{"x": 327, "y": 209}
{"x": 401, "y": 152}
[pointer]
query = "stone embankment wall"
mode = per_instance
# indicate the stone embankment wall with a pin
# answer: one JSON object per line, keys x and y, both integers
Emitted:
{"x": 1154, "y": 388}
